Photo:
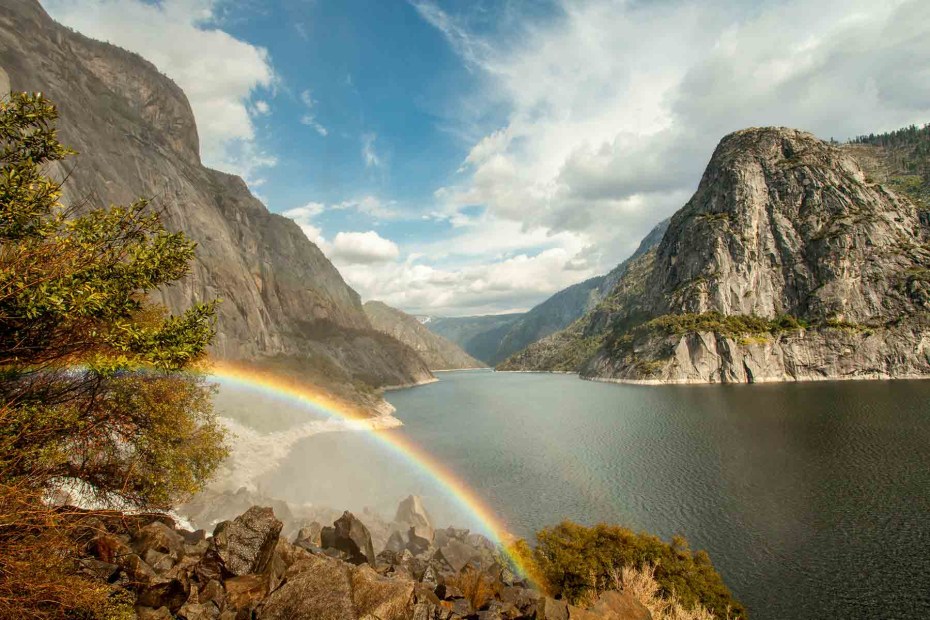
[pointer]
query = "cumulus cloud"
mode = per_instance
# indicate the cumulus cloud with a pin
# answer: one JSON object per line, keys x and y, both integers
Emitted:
{"x": 613, "y": 108}
{"x": 362, "y": 248}
{"x": 219, "y": 73}
{"x": 509, "y": 284}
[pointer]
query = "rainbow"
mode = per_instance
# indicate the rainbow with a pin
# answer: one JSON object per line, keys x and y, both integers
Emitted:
{"x": 463, "y": 496}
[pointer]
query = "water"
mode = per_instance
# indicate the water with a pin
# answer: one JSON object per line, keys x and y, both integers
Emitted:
{"x": 812, "y": 499}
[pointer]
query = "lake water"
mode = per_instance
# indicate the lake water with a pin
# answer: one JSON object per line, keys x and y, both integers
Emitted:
{"x": 812, "y": 499}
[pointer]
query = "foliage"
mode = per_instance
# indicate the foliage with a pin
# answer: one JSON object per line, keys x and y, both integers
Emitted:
{"x": 734, "y": 325}
{"x": 642, "y": 584}
{"x": 906, "y": 154}
{"x": 477, "y": 587}
{"x": 579, "y": 562}
{"x": 99, "y": 389}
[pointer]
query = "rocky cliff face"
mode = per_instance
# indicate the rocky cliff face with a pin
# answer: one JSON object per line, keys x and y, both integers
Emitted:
{"x": 436, "y": 351}
{"x": 787, "y": 264}
{"x": 134, "y": 130}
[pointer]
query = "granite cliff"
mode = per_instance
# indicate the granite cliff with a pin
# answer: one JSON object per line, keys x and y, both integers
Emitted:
{"x": 790, "y": 262}
{"x": 284, "y": 304}
{"x": 436, "y": 351}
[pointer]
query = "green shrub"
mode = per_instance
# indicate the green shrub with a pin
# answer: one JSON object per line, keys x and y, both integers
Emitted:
{"x": 578, "y": 562}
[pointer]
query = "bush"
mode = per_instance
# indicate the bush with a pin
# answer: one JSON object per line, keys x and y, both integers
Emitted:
{"x": 578, "y": 563}
{"x": 99, "y": 389}
{"x": 477, "y": 587}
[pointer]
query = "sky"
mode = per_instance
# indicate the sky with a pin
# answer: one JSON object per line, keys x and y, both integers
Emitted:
{"x": 465, "y": 157}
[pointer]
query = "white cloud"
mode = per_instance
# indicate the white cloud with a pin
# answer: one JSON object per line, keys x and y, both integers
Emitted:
{"x": 219, "y": 74}
{"x": 613, "y": 108}
{"x": 362, "y": 248}
{"x": 369, "y": 154}
{"x": 309, "y": 118}
{"x": 261, "y": 107}
{"x": 509, "y": 284}
{"x": 372, "y": 206}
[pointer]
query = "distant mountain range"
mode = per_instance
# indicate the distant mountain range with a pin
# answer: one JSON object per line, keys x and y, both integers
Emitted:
{"x": 438, "y": 352}
{"x": 796, "y": 259}
{"x": 494, "y": 338}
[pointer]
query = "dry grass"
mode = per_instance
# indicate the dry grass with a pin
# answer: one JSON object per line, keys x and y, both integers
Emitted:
{"x": 39, "y": 576}
{"x": 642, "y": 584}
{"x": 477, "y": 587}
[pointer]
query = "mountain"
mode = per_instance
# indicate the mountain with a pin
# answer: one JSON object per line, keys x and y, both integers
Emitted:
{"x": 792, "y": 261}
{"x": 479, "y": 336}
{"x": 284, "y": 304}
{"x": 436, "y": 351}
{"x": 568, "y": 305}
{"x": 494, "y": 338}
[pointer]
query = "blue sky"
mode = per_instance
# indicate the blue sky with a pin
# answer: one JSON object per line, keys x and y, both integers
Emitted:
{"x": 464, "y": 157}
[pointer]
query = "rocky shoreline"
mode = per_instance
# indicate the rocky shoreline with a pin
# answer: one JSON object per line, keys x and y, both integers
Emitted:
{"x": 247, "y": 569}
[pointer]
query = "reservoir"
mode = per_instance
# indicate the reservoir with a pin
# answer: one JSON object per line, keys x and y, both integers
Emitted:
{"x": 812, "y": 499}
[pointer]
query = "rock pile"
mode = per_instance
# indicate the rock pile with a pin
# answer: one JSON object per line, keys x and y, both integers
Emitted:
{"x": 246, "y": 570}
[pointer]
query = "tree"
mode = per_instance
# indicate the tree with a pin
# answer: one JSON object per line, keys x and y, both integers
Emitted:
{"x": 100, "y": 390}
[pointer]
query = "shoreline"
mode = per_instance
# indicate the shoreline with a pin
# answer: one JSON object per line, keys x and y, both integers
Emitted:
{"x": 694, "y": 382}
{"x": 787, "y": 380}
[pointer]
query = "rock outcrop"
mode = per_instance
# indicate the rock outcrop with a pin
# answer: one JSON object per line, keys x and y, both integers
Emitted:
{"x": 247, "y": 570}
{"x": 283, "y": 301}
{"x": 787, "y": 264}
{"x": 436, "y": 351}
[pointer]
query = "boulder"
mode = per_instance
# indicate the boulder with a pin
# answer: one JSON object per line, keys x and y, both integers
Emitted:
{"x": 441, "y": 537}
{"x": 430, "y": 611}
{"x": 309, "y": 537}
{"x": 245, "y": 545}
{"x": 417, "y": 541}
{"x": 431, "y": 578}
{"x": 214, "y": 593}
{"x": 521, "y": 598}
{"x": 138, "y": 572}
{"x": 551, "y": 609}
{"x": 245, "y": 592}
{"x": 150, "y": 613}
{"x": 156, "y": 536}
{"x": 160, "y": 562}
{"x": 170, "y": 593}
{"x": 395, "y": 542}
{"x": 317, "y": 587}
{"x": 352, "y": 538}
{"x": 412, "y": 514}
{"x": 199, "y": 611}
{"x": 456, "y": 554}
{"x": 381, "y": 597}
{"x": 614, "y": 605}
